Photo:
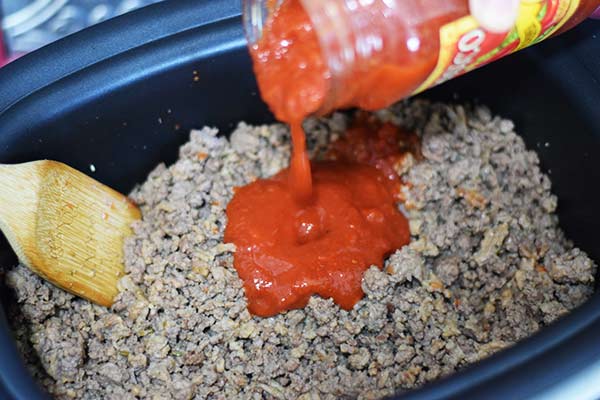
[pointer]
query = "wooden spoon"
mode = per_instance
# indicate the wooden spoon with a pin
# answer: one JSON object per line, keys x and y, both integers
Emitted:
{"x": 66, "y": 227}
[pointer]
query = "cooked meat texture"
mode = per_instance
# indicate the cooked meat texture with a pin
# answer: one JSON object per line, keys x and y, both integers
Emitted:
{"x": 487, "y": 266}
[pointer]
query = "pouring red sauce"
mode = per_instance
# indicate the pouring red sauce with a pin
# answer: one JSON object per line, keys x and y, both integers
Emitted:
{"x": 306, "y": 232}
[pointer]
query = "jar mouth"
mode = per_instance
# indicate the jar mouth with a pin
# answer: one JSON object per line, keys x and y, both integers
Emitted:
{"x": 255, "y": 17}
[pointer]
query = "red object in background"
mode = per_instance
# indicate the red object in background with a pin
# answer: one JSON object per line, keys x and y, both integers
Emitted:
{"x": 3, "y": 55}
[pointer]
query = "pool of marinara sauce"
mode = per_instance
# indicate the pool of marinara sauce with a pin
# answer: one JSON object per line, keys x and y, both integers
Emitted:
{"x": 288, "y": 250}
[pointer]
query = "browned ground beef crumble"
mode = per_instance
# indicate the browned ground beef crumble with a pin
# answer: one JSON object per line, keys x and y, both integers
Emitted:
{"x": 487, "y": 266}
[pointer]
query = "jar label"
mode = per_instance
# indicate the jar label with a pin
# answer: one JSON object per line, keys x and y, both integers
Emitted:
{"x": 465, "y": 45}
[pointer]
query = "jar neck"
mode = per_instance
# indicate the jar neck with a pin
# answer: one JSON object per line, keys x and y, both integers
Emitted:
{"x": 321, "y": 13}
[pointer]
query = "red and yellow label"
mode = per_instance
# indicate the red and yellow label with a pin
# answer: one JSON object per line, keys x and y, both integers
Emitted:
{"x": 465, "y": 45}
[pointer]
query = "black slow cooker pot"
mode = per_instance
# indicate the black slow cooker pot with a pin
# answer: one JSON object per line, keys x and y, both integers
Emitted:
{"x": 116, "y": 99}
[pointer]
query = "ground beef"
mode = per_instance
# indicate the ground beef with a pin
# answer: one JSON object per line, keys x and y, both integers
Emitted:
{"x": 487, "y": 266}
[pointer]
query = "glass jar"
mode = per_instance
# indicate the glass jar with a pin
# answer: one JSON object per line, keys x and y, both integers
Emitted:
{"x": 379, "y": 51}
